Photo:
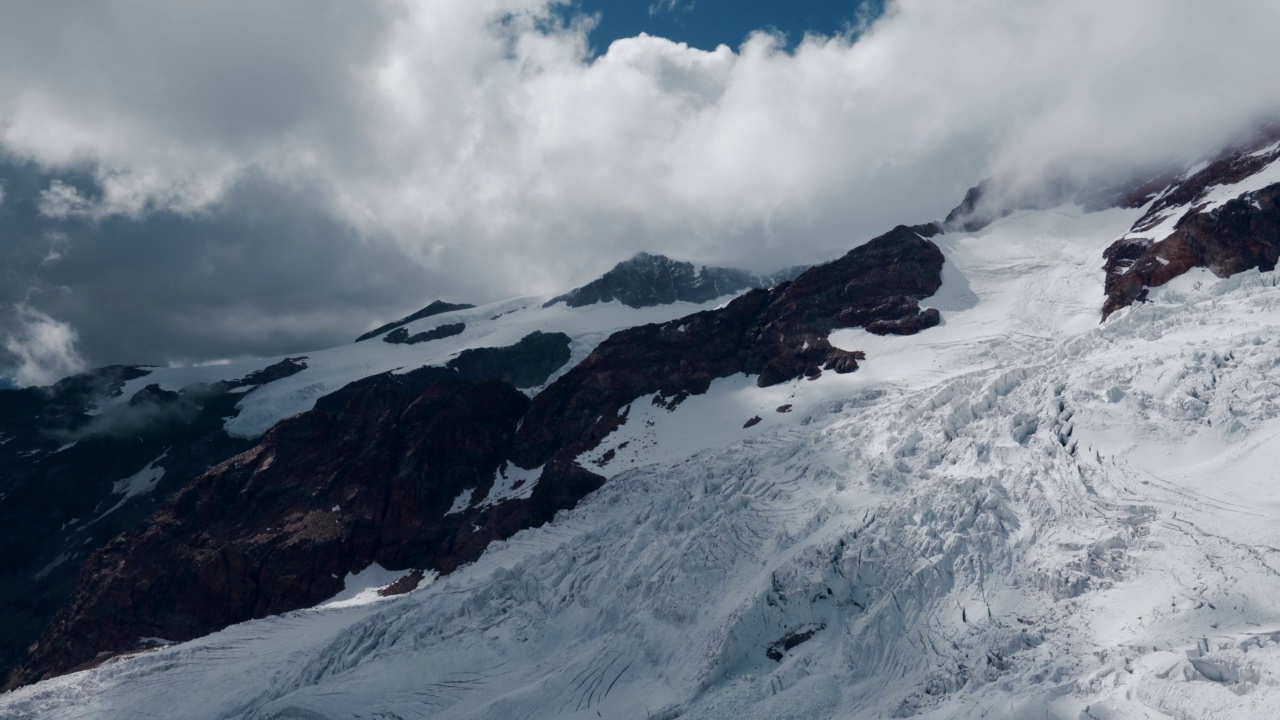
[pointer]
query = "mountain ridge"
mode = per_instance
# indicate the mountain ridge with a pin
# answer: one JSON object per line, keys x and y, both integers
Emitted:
{"x": 647, "y": 279}
{"x": 936, "y": 533}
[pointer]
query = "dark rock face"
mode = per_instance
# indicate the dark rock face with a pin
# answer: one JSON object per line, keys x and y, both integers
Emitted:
{"x": 271, "y": 373}
{"x": 275, "y": 528}
{"x": 409, "y": 385}
{"x": 400, "y": 336}
{"x": 778, "y": 334}
{"x": 62, "y": 476}
{"x": 989, "y": 201}
{"x": 526, "y": 364}
{"x": 371, "y": 473}
{"x": 1241, "y": 234}
{"x": 646, "y": 280}
{"x": 436, "y": 308}
{"x": 970, "y": 215}
{"x": 779, "y": 648}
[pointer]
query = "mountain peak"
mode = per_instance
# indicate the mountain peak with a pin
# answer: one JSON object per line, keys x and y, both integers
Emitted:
{"x": 437, "y": 307}
{"x": 648, "y": 279}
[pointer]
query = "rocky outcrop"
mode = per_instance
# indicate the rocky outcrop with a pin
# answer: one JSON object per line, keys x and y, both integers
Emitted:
{"x": 400, "y": 469}
{"x": 278, "y": 527}
{"x": 409, "y": 385}
{"x": 437, "y": 307}
{"x": 777, "y": 334}
{"x": 646, "y": 280}
{"x": 73, "y": 477}
{"x": 1226, "y": 238}
{"x": 528, "y": 363}
{"x": 401, "y": 336}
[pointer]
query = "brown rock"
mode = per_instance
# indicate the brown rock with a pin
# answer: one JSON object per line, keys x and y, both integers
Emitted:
{"x": 277, "y": 528}
{"x": 778, "y": 335}
{"x": 1241, "y": 234}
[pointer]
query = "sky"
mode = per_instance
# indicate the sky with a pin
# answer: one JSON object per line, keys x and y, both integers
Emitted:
{"x": 706, "y": 24}
{"x": 189, "y": 182}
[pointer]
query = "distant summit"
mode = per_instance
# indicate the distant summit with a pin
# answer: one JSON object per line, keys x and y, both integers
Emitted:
{"x": 647, "y": 280}
{"x": 436, "y": 308}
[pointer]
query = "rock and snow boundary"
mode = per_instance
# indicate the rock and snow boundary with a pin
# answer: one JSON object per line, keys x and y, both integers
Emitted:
{"x": 1019, "y": 513}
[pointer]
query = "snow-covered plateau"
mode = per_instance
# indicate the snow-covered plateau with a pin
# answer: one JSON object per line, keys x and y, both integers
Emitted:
{"x": 1020, "y": 513}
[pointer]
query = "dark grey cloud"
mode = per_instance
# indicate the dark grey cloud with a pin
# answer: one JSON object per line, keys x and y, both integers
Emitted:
{"x": 264, "y": 271}
{"x": 201, "y": 180}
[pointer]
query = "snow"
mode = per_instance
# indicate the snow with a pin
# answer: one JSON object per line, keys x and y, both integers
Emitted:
{"x": 1220, "y": 194}
{"x": 462, "y": 502}
{"x": 1020, "y": 513}
{"x": 140, "y": 483}
{"x": 1215, "y": 196}
{"x": 362, "y": 588}
{"x": 495, "y": 325}
{"x": 511, "y": 482}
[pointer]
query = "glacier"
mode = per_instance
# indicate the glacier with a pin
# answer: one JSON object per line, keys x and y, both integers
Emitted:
{"x": 1020, "y": 513}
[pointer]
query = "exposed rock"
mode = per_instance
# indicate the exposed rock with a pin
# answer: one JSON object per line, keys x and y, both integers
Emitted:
{"x": 368, "y": 475}
{"x": 401, "y": 336}
{"x": 275, "y": 528}
{"x": 409, "y": 385}
{"x": 1229, "y": 168}
{"x": 528, "y": 363}
{"x": 647, "y": 280}
{"x": 74, "y": 480}
{"x": 271, "y": 373}
{"x": 778, "y": 649}
{"x": 969, "y": 215}
{"x": 777, "y": 334}
{"x": 406, "y": 584}
{"x": 1240, "y": 234}
{"x": 436, "y": 308}
{"x": 752, "y": 422}
{"x": 989, "y": 200}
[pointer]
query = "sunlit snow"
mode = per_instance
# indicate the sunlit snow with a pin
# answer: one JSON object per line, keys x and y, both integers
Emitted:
{"x": 1023, "y": 512}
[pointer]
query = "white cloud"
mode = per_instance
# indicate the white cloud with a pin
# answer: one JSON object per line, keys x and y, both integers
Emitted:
{"x": 658, "y": 7}
{"x": 61, "y": 201}
{"x": 482, "y": 138}
{"x": 57, "y": 249}
{"x": 44, "y": 348}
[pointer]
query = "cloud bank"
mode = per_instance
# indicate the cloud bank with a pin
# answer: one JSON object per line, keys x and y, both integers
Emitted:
{"x": 482, "y": 141}
{"x": 45, "y": 348}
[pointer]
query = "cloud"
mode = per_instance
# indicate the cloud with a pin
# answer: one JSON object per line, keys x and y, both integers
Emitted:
{"x": 482, "y": 141}
{"x": 61, "y": 201}
{"x": 659, "y": 7}
{"x": 45, "y": 348}
{"x": 57, "y": 247}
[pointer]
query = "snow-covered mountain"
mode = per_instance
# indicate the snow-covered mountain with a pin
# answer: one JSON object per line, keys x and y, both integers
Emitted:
{"x": 646, "y": 280}
{"x": 89, "y": 458}
{"x": 1015, "y": 465}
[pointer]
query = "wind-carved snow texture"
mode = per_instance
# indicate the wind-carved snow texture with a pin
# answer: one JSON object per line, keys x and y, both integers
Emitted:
{"x": 1020, "y": 513}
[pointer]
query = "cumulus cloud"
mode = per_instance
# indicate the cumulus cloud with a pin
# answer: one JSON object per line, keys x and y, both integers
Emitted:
{"x": 483, "y": 140}
{"x": 44, "y": 348}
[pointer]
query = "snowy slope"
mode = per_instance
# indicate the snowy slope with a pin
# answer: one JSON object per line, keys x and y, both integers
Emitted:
{"x": 495, "y": 325}
{"x": 1020, "y": 513}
